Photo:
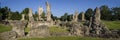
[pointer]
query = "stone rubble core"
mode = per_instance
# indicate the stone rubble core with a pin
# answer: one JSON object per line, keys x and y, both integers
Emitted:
{"x": 30, "y": 15}
{"x": 40, "y": 11}
{"x": 83, "y": 16}
{"x": 23, "y": 17}
{"x": 10, "y": 35}
{"x": 75, "y": 17}
{"x": 48, "y": 10}
{"x": 75, "y": 29}
{"x": 18, "y": 27}
{"x": 95, "y": 26}
{"x": 39, "y": 31}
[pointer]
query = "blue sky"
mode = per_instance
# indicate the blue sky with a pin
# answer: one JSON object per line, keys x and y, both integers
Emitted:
{"x": 58, "y": 7}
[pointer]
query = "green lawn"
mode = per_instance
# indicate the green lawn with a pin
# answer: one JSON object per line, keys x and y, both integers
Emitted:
{"x": 112, "y": 24}
{"x": 27, "y": 29}
{"x": 4, "y": 28}
{"x": 109, "y": 24}
{"x": 55, "y": 29}
{"x": 63, "y": 38}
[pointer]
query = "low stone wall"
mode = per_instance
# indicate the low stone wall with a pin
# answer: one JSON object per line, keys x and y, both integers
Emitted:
{"x": 10, "y": 35}
{"x": 18, "y": 27}
{"x": 39, "y": 31}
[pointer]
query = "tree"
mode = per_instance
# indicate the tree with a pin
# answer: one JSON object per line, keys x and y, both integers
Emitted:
{"x": 35, "y": 16}
{"x": 0, "y": 16}
{"x": 116, "y": 13}
{"x": 26, "y": 11}
{"x": 4, "y": 13}
{"x": 9, "y": 14}
{"x": 70, "y": 17}
{"x": 80, "y": 15}
{"x": 88, "y": 13}
{"x": 105, "y": 12}
{"x": 43, "y": 15}
{"x": 16, "y": 16}
{"x": 64, "y": 17}
{"x": 54, "y": 17}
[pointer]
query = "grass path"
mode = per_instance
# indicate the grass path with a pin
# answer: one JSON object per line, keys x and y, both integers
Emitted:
{"x": 112, "y": 24}
{"x": 63, "y": 38}
{"x": 4, "y": 28}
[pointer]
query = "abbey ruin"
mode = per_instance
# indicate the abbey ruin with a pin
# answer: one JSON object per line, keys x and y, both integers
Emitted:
{"x": 40, "y": 28}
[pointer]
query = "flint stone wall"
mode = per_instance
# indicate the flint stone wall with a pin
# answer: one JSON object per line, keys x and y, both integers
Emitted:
{"x": 18, "y": 27}
{"x": 38, "y": 31}
{"x": 10, "y": 35}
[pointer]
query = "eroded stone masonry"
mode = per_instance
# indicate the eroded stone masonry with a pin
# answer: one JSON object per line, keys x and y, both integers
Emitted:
{"x": 40, "y": 28}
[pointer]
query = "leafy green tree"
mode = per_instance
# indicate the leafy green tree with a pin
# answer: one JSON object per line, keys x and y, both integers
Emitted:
{"x": 54, "y": 17}
{"x": 64, "y": 17}
{"x": 70, "y": 17}
{"x": 80, "y": 15}
{"x": 35, "y": 15}
{"x": 0, "y": 16}
{"x": 15, "y": 16}
{"x": 4, "y": 12}
{"x": 26, "y": 11}
{"x": 9, "y": 14}
{"x": 116, "y": 13}
{"x": 88, "y": 13}
{"x": 0, "y": 12}
{"x": 105, "y": 12}
{"x": 43, "y": 15}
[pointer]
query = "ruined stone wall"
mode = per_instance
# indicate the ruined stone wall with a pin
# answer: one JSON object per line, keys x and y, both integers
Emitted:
{"x": 75, "y": 17}
{"x": 48, "y": 8}
{"x": 40, "y": 11}
{"x": 18, "y": 27}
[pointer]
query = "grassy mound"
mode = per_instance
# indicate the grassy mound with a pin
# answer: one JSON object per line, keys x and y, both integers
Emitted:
{"x": 112, "y": 24}
{"x": 27, "y": 29}
{"x": 55, "y": 29}
{"x": 4, "y": 28}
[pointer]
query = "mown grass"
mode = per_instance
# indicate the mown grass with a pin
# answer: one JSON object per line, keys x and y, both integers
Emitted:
{"x": 4, "y": 28}
{"x": 63, "y": 38}
{"x": 109, "y": 24}
{"x": 55, "y": 29}
{"x": 112, "y": 24}
{"x": 27, "y": 29}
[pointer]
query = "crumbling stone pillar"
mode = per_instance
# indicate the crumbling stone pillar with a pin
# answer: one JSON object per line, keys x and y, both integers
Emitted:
{"x": 83, "y": 16}
{"x": 31, "y": 19}
{"x": 40, "y": 11}
{"x": 23, "y": 17}
{"x": 48, "y": 12}
{"x": 96, "y": 20}
{"x": 30, "y": 15}
{"x": 75, "y": 17}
